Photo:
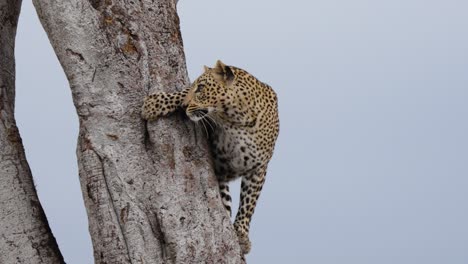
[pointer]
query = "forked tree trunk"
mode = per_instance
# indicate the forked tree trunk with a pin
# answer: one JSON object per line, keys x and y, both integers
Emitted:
{"x": 25, "y": 235}
{"x": 149, "y": 189}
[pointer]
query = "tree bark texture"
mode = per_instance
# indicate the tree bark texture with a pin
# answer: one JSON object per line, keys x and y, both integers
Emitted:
{"x": 25, "y": 236}
{"x": 149, "y": 189}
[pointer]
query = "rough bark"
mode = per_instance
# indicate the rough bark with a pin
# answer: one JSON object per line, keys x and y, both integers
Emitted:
{"x": 149, "y": 189}
{"x": 25, "y": 236}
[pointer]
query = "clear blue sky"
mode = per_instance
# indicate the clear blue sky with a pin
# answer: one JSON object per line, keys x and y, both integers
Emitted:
{"x": 371, "y": 165}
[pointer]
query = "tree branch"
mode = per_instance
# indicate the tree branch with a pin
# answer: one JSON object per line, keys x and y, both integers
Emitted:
{"x": 25, "y": 236}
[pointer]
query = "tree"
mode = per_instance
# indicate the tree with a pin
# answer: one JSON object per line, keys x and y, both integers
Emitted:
{"x": 149, "y": 189}
{"x": 150, "y": 192}
{"x": 25, "y": 235}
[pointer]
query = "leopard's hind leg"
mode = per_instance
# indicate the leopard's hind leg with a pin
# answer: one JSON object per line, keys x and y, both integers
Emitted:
{"x": 251, "y": 187}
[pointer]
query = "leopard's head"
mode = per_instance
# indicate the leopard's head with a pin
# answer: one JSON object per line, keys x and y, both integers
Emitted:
{"x": 211, "y": 93}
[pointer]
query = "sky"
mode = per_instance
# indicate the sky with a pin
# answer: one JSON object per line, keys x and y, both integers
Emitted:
{"x": 371, "y": 165}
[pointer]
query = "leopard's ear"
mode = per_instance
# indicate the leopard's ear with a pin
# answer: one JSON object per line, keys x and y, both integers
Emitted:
{"x": 223, "y": 73}
{"x": 206, "y": 68}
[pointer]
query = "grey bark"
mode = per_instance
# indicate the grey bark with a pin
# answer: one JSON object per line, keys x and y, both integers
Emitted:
{"x": 149, "y": 189}
{"x": 25, "y": 236}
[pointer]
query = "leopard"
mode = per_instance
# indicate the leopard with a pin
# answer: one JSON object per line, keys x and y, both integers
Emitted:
{"x": 243, "y": 115}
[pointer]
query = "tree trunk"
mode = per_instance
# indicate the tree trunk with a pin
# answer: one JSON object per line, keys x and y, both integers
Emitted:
{"x": 149, "y": 189}
{"x": 25, "y": 236}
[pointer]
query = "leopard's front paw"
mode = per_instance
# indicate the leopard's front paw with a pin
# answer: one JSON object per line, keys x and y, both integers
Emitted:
{"x": 244, "y": 241}
{"x": 152, "y": 107}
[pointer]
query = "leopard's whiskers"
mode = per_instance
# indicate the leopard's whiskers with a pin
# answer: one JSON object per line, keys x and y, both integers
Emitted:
{"x": 205, "y": 119}
{"x": 203, "y": 123}
{"x": 213, "y": 120}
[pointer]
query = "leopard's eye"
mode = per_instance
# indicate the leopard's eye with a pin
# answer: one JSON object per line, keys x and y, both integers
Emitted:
{"x": 200, "y": 88}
